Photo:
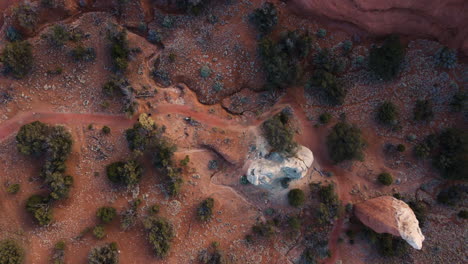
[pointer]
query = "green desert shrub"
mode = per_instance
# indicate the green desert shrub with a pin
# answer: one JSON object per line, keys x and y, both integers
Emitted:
{"x": 160, "y": 234}
{"x": 265, "y": 18}
{"x": 385, "y": 178}
{"x": 329, "y": 85}
{"x": 213, "y": 255}
{"x": 325, "y": 118}
{"x": 283, "y": 59}
{"x": 10, "y": 252}
{"x": 387, "y": 245}
{"x": 458, "y": 102}
{"x": 99, "y": 232}
{"x": 12, "y": 34}
{"x": 205, "y": 209}
{"x": 26, "y": 16}
{"x": 385, "y": 61}
{"x": 205, "y": 71}
{"x": 185, "y": 161}
{"x": 296, "y": 197}
{"x": 420, "y": 211}
{"x": 423, "y": 110}
{"x": 264, "y": 229}
{"x": 106, "y": 130}
{"x": 279, "y": 134}
{"x": 401, "y": 148}
{"x": 31, "y": 138}
{"x": 321, "y": 33}
{"x": 451, "y": 157}
{"x": 39, "y": 207}
{"x": 58, "y": 256}
{"x": 345, "y": 142}
{"x": 82, "y": 53}
{"x": 13, "y": 188}
{"x": 119, "y": 49}
{"x": 58, "y": 35}
{"x": 17, "y": 58}
{"x": 126, "y": 173}
{"x": 446, "y": 58}
{"x": 463, "y": 214}
{"x": 106, "y": 214}
{"x": 106, "y": 254}
{"x": 387, "y": 113}
{"x": 452, "y": 195}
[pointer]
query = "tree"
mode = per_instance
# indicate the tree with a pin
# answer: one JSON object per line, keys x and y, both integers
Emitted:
{"x": 296, "y": 197}
{"x": 265, "y": 18}
{"x": 385, "y": 178}
{"x": 106, "y": 214}
{"x": 106, "y": 254}
{"x": 17, "y": 58}
{"x": 205, "y": 209}
{"x": 160, "y": 234}
{"x": 39, "y": 208}
{"x": 345, "y": 142}
{"x": 385, "y": 60}
{"x": 127, "y": 173}
{"x": 279, "y": 134}
{"x": 10, "y": 252}
{"x": 119, "y": 49}
{"x": 387, "y": 113}
{"x": 329, "y": 85}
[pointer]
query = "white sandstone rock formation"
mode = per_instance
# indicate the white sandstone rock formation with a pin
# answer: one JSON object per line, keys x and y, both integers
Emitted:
{"x": 387, "y": 214}
{"x": 268, "y": 171}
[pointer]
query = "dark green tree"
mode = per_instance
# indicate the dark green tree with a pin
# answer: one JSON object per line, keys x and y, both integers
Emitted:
{"x": 18, "y": 58}
{"x": 385, "y": 61}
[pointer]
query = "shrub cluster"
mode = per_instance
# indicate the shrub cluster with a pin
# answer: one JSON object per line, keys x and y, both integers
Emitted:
{"x": 296, "y": 197}
{"x": 55, "y": 143}
{"x": 17, "y": 58}
{"x": 385, "y": 178}
{"x": 387, "y": 245}
{"x": 38, "y": 206}
{"x": 58, "y": 35}
{"x": 10, "y": 252}
{"x": 385, "y": 60}
{"x": 264, "y": 229}
{"x": 120, "y": 86}
{"x": 160, "y": 234}
{"x": 130, "y": 215}
{"x": 126, "y": 173}
{"x": 452, "y": 195}
{"x": 329, "y": 202}
{"x": 279, "y": 134}
{"x": 205, "y": 209}
{"x": 423, "y": 110}
{"x": 119, "y": 49}
{"x": 26, "y": 16}
{"x": 265, "y": 18}
{"x": 387, "y": 113}
{"x": 282, "y": 59}
{"x": 81, "y": 53}
{"x": 345, "y": 142}
{"x": 106, "y": 214}
{"x": 107, "y": 253}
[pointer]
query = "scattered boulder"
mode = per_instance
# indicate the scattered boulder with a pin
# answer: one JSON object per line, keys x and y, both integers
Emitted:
{"x": 268, "y": 171}
{"x": 387, "y": 214}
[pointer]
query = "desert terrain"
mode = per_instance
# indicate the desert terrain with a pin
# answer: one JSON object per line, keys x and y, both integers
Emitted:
{"x": 199, "y": 73}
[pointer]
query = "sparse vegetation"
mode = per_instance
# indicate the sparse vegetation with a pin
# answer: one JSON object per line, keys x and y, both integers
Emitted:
{"x": 387, "y": 113}
{"x": 265, "y": 18}
{"x": 213, "y": 255}
{"x": 17, "y": 58}
{"x": 385, "y": 178}
{"x": 205, "y": 209}
{"x": 129, "y": 216}
{"x": 345, "y": 142}
{"x": 279, "y": 134}
{"x": 423, "y": 110}
{"x": 385, "y": 60}
{"x": 13, "y": 188}
{"x": 108, "y": 254}
{"x": 205, "y": 71}
{"x": 160, "y": 234}
{"x": 10, "y": 252}
{"x": 329, "y": 202}
{"x": 296, "y": 197}
{"x": 106, "y": 214}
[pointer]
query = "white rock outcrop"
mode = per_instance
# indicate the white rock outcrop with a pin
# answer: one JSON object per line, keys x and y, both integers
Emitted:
{"x": 268, "y": 171}
{"x": 387, "y": 214}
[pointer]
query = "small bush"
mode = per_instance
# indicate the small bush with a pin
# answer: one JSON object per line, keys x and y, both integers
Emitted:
{"x": 279, "y": 134}
{"x": 452, "y": 195}
{"x": 205, "y": 71}
{"x": 39, "y": 208}
{"x": 265, "y": 18}
{"x": 385, "y": 178}
{"x": 26, "y": 16}
{"x": 106, "y": 214}
{"x": 160, "y": 234}
{"x": 10, "y": 252}
{"x": 99, "y": 232}
{"x": 419, "y": 210}
{"x": 12, "y": 34}
{"x": 458, "y": 102}
{"x": 423, "y": 110}
{"x": 154, "y": 209}
{"x": 296, "y": 197}
{"x": 463, "y": 214}
{"x": 345, "y": 142}
{"x": 81, "y": 53}
{"x": 401, "y": 148}
{"x": 205, "y": 210}
{"x": 264, "y": 229}
{"x": 119, "y": 49}
{"x": 155, "y": 37}
{"x": 58, "y": 35}
{"x": 106, "y": 130}
{"x": 13, "y": 188}
{"x": 127, "y": 173}
{"x": 185, "y": 161}
{"x": 387, "y": 113}
{"x": 329, "y": 85}
{"x": 108, "y": 254}
{"x": 450, "y": 158}
{"x": 385, "y": 61}
{"x": 17, "y": 58}
{"x": 321, "y": 33}
{"x": 446, "y": 58}
{"x": 325, "y": 118}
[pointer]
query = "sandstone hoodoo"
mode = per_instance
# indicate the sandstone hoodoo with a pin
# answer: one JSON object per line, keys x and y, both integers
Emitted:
{"x": 387, "y": 214}
{"x": 268, "y": 171}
